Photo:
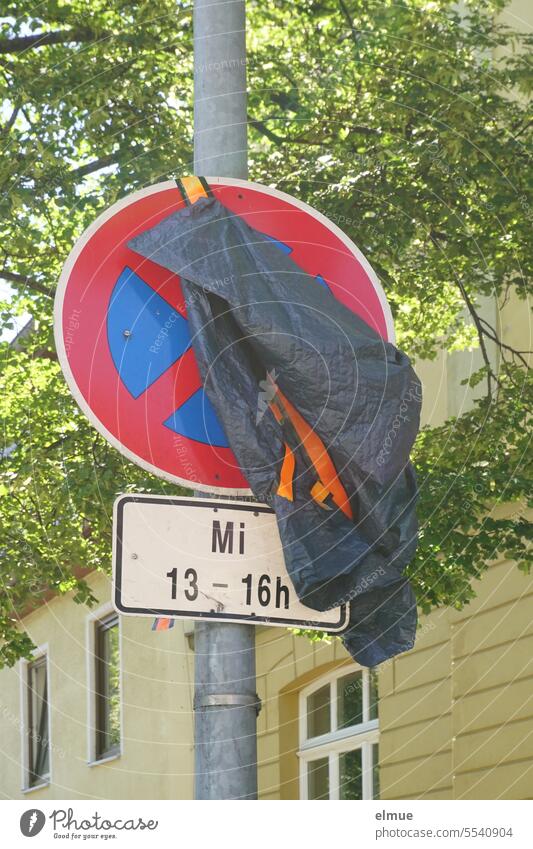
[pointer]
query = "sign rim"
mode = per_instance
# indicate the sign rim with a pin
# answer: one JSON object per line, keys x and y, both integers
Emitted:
{"x": 250, "y": 506}
{"x": 83, "y": 240}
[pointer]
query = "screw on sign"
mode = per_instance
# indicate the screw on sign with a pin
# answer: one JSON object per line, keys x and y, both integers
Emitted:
{"x": 123, "y": 338}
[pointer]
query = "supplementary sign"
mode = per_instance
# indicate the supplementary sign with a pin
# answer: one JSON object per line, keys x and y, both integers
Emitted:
{"x": 204, "y": 558}
{"x": 123, "y": 338}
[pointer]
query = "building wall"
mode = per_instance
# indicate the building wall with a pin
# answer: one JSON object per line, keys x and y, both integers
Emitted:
{"x": 157, "y": 758}
{"x": 456, "y": 713}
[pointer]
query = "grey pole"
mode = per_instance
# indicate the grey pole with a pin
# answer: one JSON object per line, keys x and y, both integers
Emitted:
{"x": 225, "y": 701}
{"x": 220, "y": 132}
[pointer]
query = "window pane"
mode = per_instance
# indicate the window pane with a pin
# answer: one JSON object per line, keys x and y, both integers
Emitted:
{"x": 38, "y": 721}
{"x": 375, "y": 771}
{"x": 318, "y": 779}
{"x": 108, "y": 693}
{"x": 351, "y": 775}
{"x": 350, "y": 700}
{"x": 374, "y": 698}
{"x": 113, "y": 695}
{"x": 318, "y": 712}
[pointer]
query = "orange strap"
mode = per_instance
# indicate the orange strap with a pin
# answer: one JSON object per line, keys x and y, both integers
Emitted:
{"x": 193, "y": 188}
{"x": 319, "y": 493}
{"x": 330, "y": 483}
{"x": 287, "y": 475}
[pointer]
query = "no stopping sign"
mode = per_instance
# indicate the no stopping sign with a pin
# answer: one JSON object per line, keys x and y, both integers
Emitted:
{"x": 123, "y": 339}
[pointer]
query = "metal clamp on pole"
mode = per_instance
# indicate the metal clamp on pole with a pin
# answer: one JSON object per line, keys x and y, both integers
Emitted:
{"x": 228, "y": 700}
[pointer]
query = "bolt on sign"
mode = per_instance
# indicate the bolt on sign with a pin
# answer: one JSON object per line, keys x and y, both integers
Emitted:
{"x": 206, "y": 559}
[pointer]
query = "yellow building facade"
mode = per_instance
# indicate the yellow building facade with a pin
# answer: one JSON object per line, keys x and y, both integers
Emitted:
{"x": 455, "y": 715}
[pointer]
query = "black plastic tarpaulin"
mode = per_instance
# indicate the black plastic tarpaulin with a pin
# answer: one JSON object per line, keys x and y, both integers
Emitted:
{"x": 278, "y": 353}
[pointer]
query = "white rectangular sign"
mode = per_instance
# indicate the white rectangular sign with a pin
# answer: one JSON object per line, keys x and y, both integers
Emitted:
{"x": 206, "y": 558}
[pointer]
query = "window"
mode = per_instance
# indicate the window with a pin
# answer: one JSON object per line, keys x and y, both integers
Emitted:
{"x": 37, "y": 733}
{"x": 339, "y": 736}
{"x": 106, "y": 688}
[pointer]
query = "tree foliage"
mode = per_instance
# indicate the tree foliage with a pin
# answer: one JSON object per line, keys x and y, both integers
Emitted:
{"x": 404, "y": 122}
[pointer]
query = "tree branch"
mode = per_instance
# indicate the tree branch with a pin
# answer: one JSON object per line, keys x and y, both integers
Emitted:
{"x": 491, "y": 333}
{"x": 23, "y": 280}
{"x": 19, "y": 44}
{"x": 44, "y": 354}
{"x": 95, "y": 165}
{"x": 481, "y": 334}
{"x": 263, "y": 129}
{"x": 7, "y": 126}
{"x": 349, "y": 19}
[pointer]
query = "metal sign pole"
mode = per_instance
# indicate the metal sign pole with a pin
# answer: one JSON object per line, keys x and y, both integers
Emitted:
{"x": 225, "y": 701}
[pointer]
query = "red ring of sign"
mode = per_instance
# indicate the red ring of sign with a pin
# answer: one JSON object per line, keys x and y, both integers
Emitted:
{"x": 135, "y": 425}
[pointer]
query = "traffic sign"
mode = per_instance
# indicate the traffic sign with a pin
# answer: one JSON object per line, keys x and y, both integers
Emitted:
{"x": 206, "y": 559}
{"x": 123, "y": 339}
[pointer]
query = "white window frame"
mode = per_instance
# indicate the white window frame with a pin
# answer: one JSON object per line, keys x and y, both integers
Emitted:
{"x": 91, "y": 622}
{"x": 337, "y": 741}
{"x": 37, "y": 654}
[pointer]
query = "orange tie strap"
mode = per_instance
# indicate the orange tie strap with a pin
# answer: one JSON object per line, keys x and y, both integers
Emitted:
{"x": 328, "y": 479}
{"x": 193, "y": 188}
{"x": 319, "y": 493}
{"x": 162, "y": 623}
{"x": 287, "y": 475}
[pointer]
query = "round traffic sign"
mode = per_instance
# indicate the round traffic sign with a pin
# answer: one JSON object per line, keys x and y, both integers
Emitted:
{"x": 122, "y": 334}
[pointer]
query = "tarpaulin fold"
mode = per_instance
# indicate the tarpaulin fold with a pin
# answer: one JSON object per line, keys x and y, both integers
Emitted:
{"x": 259, "y": 324}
